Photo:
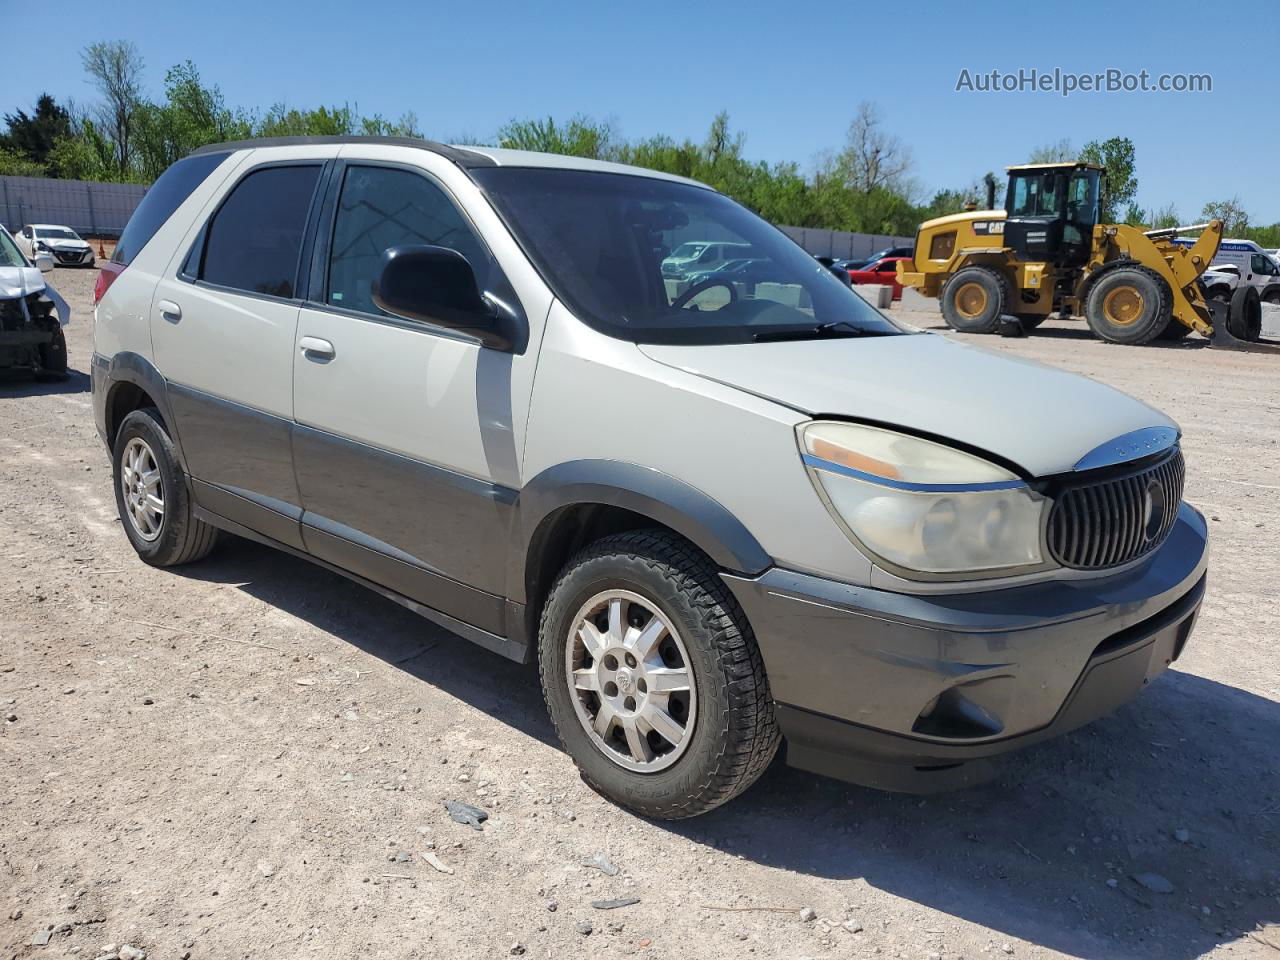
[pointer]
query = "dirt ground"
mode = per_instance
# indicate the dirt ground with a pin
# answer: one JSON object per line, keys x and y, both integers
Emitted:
{"x": 250, "y": 756}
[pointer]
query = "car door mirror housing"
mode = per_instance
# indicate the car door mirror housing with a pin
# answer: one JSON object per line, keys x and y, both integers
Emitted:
{"x": 437, "y": 285}
{"x": 44, "y": 262}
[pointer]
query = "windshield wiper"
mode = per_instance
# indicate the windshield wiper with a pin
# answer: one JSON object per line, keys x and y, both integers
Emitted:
{"x": 823, "y": 331}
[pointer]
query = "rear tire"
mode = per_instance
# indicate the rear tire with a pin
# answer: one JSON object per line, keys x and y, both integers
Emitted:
{"x": 1244, "y": 316}
{"x": 974, "y": 299}
{"x": 152, "y": 497}
{"x": 1271, "y": 296}
{"x": 1129, "y": 305}
{"x": 722, "y": 714}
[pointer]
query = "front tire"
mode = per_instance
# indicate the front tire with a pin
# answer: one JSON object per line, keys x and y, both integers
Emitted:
{"x": 152, "y": 497}
{"x": 53, "y": 356}
{"x": 973, "y": 300}
{"x": 652, "y": 677}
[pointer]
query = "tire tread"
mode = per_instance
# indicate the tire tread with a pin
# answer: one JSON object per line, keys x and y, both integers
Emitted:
{"x": 751, "y": 732}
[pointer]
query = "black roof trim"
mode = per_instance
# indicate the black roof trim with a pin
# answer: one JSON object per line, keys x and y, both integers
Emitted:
{"x": 463, "y": 158}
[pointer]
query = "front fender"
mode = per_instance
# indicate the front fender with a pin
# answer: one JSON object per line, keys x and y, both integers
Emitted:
{"x": 693, "y": 514}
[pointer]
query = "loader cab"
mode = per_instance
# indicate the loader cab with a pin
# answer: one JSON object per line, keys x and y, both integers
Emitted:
{"x": 1051, "y": 210}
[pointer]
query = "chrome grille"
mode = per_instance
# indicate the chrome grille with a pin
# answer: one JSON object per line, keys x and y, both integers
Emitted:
{"x": 1108, "y": 522}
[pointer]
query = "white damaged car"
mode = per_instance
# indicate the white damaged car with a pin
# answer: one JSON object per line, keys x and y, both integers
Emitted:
{"x": 32, "y": 314}
{"x": 67, "y": 247}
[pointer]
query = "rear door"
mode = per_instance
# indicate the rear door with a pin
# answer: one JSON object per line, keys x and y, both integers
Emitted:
{"x": 224, "y": 320}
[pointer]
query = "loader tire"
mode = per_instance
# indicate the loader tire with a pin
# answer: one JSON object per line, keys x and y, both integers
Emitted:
{"x": 974, "y": 299}
{"x": 1129, "y": 305}
{"x": 1244, "y": 316}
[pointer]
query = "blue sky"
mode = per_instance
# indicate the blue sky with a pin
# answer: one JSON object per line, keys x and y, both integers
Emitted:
{"x": 790, "y": 75}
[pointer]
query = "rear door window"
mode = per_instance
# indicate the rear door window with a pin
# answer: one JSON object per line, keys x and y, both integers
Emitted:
{"x": 255, "y": 239}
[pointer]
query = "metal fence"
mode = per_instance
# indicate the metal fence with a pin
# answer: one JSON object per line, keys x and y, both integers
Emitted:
{"x": 87, "y": 207}
{"x": 102, "y": 209}
{"x": 841, "y": 244}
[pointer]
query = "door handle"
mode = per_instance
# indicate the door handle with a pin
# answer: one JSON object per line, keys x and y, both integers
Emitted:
{"x": 314, "y": 348}
{"x": 170, "y": 310}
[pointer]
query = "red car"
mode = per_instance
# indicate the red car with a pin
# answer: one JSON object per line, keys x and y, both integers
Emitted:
{"x": 881, "y": 271}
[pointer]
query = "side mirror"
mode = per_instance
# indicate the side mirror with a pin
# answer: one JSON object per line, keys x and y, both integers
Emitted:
{"x": 437, "y": 285}
{"x": 44, "y": 262}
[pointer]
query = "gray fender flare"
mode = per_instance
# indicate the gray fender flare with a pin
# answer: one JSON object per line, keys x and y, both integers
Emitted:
{"x": 136, "y": 369}
{"x": 695, "y": 515}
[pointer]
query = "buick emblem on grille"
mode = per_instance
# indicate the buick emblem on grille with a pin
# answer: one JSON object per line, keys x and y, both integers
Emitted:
{"x": 1154, "y": 504}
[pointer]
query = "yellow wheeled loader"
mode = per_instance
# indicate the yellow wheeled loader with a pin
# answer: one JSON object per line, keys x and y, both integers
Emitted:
{"x": 1005, "y": 271}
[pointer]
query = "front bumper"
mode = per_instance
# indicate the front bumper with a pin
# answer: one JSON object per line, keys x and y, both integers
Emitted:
{"x": 916, "y": 692}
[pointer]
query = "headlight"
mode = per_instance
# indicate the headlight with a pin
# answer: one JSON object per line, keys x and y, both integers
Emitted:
{"x": 921, "y": 506}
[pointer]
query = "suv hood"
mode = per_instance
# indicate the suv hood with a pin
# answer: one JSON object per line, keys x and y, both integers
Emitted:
{"x": 1041, "y": 418}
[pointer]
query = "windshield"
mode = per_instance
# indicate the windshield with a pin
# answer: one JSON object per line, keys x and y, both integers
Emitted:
{"x": 10, "y": 255}
{"x": 599, "y": 240}
{"x": 1034, "y": 194}
{"x": 55, "y": 233}
{"x": 687, "y": 250}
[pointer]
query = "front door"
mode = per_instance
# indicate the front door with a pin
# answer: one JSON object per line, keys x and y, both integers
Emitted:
{"x": 403, "y": 444}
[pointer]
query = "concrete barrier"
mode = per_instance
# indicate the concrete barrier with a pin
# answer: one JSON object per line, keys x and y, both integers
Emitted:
{"x": 879, "y": 295}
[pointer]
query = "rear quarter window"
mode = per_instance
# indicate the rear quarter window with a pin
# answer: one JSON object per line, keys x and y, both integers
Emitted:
{"x": 164, "y": 197}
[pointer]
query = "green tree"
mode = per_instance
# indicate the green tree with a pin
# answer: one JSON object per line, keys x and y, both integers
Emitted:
{"x": 282, "y": 121}
{"x": 15, "y": 164}
{"x": 379, "y": 126}
{"x": 1121, "y": 182}
{"x": 191, "y": 116}
{"x": 1235, "y": 220}
{"x": 86, "y": 155}
{"x": 33, "y": 136}
{"x": 1165, "y": 218}
{"x": 579, "y": 137}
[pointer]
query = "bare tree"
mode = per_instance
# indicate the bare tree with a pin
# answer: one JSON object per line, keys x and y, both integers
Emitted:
{"x": 872, "y": 158}
{"x": 1060, "y": 152}
{"x": 115, "y": 68}
{"x": 1165, "y": 217}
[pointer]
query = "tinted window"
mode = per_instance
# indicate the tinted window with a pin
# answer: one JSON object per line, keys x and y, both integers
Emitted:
{"x": 381, "y": 207}
{"x": 599, "y": 239}
{"x": 158, "y": 204}
{"x": 255, "y": 238}
{"x": 9, "y": 254}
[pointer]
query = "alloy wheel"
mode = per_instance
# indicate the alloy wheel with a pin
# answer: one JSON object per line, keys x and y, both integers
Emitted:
{"x": 142, "y": 488}
{"x": 632, "y": 681}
